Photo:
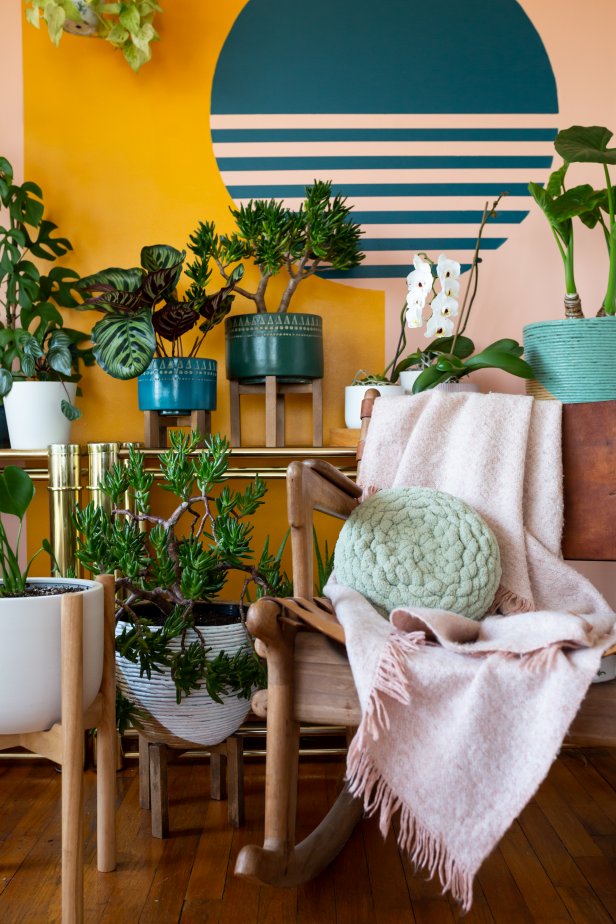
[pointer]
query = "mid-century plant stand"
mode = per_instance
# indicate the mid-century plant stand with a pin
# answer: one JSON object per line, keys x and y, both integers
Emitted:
{"x": 157, "y": 424}
{"x": 275, "y": 392}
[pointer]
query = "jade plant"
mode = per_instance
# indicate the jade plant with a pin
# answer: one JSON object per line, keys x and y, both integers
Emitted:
{"x": 143, "y": 314}
{"x": 34, "y": 342}
{"x": 276, "y": 238}
{"x": 593, "y": 207}
{"x": 128, "y": 25}
{"x": 180, "y": 562}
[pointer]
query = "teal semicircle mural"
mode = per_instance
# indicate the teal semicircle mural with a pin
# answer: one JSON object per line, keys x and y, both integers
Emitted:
{"x": 418, "y": 113}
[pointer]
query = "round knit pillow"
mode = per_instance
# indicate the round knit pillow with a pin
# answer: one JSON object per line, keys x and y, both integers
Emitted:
{"x": 416, "y": 546}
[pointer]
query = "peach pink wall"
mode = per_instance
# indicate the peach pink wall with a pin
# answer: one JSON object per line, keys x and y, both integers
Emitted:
{"x": 11, "y": 81}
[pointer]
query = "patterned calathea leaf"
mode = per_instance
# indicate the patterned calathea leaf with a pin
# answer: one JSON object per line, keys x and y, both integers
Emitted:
{"x": 124, "y": 280}
{"x": 124, "y": 344}
{"x": 216, "y": 307}
{"x": 162, "y": 256}
{"x": 175, "y": 318}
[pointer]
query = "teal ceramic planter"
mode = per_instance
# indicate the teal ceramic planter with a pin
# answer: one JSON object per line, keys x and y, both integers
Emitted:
{"x": 574, "y": 360}
{"x": 289, "y": 346}
{"x": 177, "y": 385}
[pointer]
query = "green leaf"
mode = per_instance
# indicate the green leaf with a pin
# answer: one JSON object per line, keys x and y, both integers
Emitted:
{"x": 498, "y": 359}
{"x": 556, "y": 180}
{"x": 129, "y": 18}
{"x": 60, "y": 360}
{"x": 585, "y": 144}
{"x": 429, "y": 378}
{"x": 573, "y": 202}
{"x": 464, "y": 346}
{"x": 160, "y": 256}
{"x": 55, "y": 17}
{"x": 124, "y": 344}
{"x": 16, "y": 491}
{"x": 117, "y": 35}
{"x": 6, "y": 382}
{"x": 126, "y": 280}
{"x": 69, "y": 410}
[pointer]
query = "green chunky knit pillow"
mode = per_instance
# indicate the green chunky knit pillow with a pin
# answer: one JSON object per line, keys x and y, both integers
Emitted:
{"x": 416, "y": 546}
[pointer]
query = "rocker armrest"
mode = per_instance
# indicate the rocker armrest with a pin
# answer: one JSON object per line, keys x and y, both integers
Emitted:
{"x": 314, "y": 485}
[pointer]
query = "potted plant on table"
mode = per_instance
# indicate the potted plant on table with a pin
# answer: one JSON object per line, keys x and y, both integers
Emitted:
{"x": 144, "y": 321}
{"x": 39, "y": 357}
{"x": 127, "y": 25}
{"x": 296, "y": 243}
{"x": 30, "y": 615}
{"x": 450, "y": 357}
{"x": 572, "y": 358}
{"x": 183, "y": 658}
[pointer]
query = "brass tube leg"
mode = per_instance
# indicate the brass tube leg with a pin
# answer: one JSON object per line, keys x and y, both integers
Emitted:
{"x": 64, "y": 488}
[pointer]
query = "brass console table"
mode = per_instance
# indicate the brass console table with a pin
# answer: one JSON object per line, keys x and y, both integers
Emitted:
{"x": 74, "y": 472}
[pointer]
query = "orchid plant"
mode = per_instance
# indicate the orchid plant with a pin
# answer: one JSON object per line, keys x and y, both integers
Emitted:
{"x": 449, "y": 356}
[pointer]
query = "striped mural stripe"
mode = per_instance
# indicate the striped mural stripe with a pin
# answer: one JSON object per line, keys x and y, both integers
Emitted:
{"x": 250, "y": 135}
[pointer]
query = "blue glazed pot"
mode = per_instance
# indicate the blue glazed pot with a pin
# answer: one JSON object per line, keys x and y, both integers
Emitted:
{"x": 178, "y": 385}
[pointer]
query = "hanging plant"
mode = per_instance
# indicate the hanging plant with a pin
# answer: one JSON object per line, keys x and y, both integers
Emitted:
{"x": 127, "y": 25}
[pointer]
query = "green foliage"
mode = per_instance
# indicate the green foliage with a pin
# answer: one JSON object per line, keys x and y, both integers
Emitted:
{"x": 325, "y": 563}
{"x": 273, "y": 237}
{"x": 449, "y": 358}
{"x": 34, "y": 344}
{"x": 143, "y": 315}
{"x": 178, "y": 563}
{"x": 127, "y": 25}
{"x": 16, "y": 493}
{"x": 561, "y": 206}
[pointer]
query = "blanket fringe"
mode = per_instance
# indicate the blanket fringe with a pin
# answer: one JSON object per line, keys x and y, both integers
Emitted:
{"x": 423, "y": 847}
{"x": 507, "y": 602}
{"x": 390, "y": 680}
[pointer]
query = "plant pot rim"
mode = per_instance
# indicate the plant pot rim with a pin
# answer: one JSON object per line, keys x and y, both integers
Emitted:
{"x": 261, "y": 317}
{"x": 559, "y": 322}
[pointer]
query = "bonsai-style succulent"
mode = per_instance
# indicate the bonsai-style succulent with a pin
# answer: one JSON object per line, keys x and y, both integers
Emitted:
{"x": 450, "y": 355}
{"x": 16, "y": 493}
{"x": 142, "y": 311}
{"x": 34, "y": 343}
{"x": 178, "y": 563}
{"x": 127, "y": 25}
{"x": 561, "y": 206}
{"x": 275, "y": 237}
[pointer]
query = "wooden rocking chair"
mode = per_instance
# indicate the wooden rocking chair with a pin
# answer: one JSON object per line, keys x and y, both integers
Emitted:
{"x": 309, "y": 675}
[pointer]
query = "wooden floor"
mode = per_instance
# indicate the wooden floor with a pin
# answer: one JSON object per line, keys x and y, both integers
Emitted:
{"x": 556, "y": 864}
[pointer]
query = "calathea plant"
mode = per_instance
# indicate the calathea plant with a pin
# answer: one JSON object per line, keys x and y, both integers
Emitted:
{"x": 180, "y": 562}
{"x": 34, "y": 343}
{"x": 275, "y": 237}
{"x": 143, "y": 314}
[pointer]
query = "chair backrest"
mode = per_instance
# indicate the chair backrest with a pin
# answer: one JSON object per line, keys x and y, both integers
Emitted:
{"x": 589, "y": 464}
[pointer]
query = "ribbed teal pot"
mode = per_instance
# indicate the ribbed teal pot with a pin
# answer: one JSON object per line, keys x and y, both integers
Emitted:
{"x": 289, "y": 346}
{"x": 177, "y": 385}
{"x": 574, "y": 360}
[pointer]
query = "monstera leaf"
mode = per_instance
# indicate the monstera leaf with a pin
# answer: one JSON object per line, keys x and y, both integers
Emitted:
{"x": 124, "y": 344}
{"x": 580, "y": 144}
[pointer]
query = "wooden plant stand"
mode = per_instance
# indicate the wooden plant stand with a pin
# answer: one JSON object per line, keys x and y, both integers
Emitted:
{"x": 275, "y": 393}
{"x": 226, "y": 776}
{"x": 157, "y": 424}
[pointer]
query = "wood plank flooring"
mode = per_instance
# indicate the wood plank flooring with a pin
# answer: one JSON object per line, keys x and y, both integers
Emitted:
{"x": 556, "y": 864}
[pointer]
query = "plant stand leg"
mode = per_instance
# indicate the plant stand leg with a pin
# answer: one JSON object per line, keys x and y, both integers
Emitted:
{"x": 154, "y": 434}
{"x": 280, "y": 419}
{"x": 235, "y": 780}
{"x": 201, "y": 422}
{"x": 271, "y": 416}
{"x": 144, "y": 773}
{"x": 107, "y": 741}
{"x": 72, "y": 759}
{"x": 218, "y": 773}
{"x": 159, "y": 793}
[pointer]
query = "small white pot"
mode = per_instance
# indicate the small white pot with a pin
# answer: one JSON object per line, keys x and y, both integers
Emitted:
{"x": 407, "y": 380}
{"x": 607, "y": 669}
{"x": 354, "y": 395}
{"x": 34, "y": 413}
{"x": 30, "y": 656}
{"x": 198, "y": 719}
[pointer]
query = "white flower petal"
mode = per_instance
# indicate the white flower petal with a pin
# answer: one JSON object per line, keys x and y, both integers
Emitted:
{"x": 438, "y": 326}
{"x": 445, "y": 306}
{"x": 414, "y": 315}
{"x": 446, "y": 268}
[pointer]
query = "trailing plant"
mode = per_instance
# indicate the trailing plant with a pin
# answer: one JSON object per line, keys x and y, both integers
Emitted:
{"x": 180, "y": 562}
{"x": 128, "y": 25}
{"x": 143, "y": 314}
{"x": 592, "y": 207}
{"x": 275, "y": 237}
{"x": 34, "y": 343}
{"x": 450, "y": 355}
{"x": 16, "y": 493}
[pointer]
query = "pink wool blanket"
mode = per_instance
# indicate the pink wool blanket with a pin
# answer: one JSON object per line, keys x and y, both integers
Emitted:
{"x": 462, "y": 720}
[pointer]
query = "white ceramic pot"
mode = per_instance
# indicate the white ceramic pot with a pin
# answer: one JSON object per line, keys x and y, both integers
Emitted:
{"x": 87, "y": 22}
{"x": 407, "y": 380}
{"x": 607, "y": 669}
{"x": 30, "y": 689}
{"x": 354, "y": 395}
{"x": 197, "y": 719}
{"x": 34, "y": 413}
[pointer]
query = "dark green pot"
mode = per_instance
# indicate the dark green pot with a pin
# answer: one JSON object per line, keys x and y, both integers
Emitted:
{"x": 177, "y": 385}
{"x": 573, "y": 359}
{"x": 289, "y": 346}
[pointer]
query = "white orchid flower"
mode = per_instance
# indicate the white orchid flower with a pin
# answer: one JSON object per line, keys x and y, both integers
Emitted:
{"x": 447, "y": 269}
{"x": 416, "y": 297}
{"x": 414, "y": 314}
{"x": 421, "y": 276}
{"x": 444, "y": 306}
{"x": 451, "y": 288}
{"x": 438, "y": 326}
